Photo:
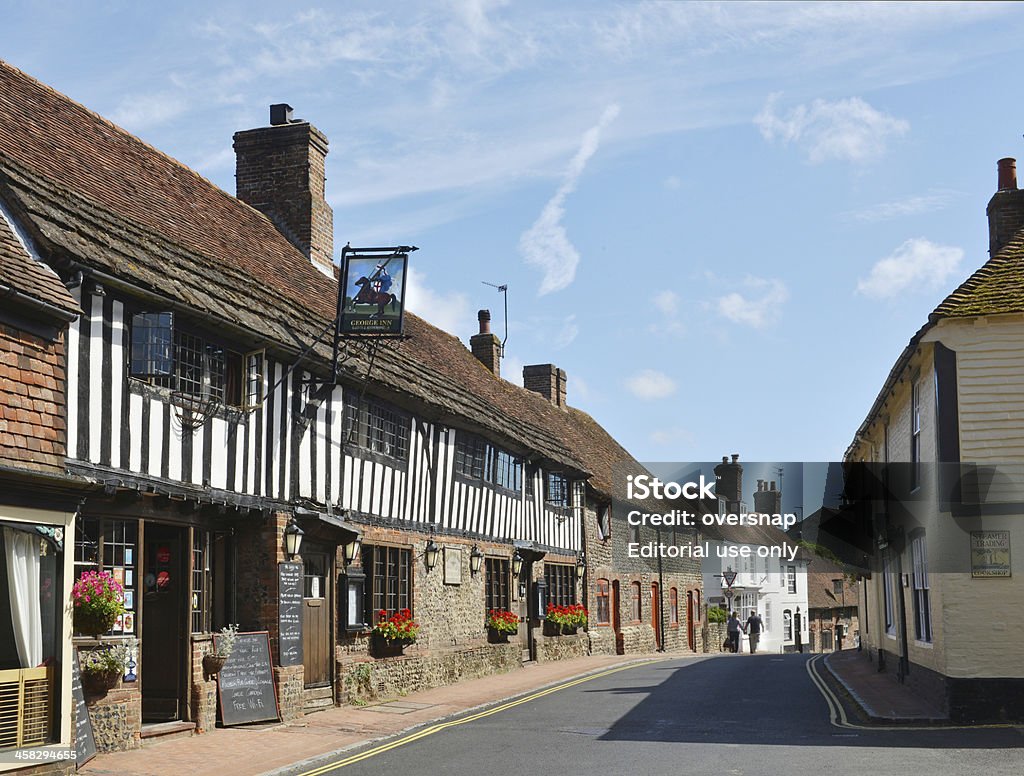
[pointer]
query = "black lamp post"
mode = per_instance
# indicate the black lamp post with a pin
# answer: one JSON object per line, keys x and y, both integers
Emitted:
{"x": 292, "y": 539}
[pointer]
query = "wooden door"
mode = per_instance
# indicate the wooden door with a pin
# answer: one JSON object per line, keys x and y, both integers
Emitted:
{"x": 656, "y": 615}
{"x": 522, "y": 590}
{"x": 620, "y": 647}
{"x": 316, "y": 618}
{"x": 165, "y": 587}
{"x": 691, "y": 634}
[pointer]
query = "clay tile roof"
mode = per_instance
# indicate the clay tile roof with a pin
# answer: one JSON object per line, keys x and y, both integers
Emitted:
{"x": 820, "y": 590}
{"x": 997, "y": 287}
{"x": 102, "y": 197}
{"x": 20, "y": 271}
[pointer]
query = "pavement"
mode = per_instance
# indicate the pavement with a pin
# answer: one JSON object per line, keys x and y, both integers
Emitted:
{"x": 880, "y": 697}
{"x": 252, "y": 750}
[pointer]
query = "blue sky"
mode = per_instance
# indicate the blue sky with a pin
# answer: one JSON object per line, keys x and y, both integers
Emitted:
{"x": 723, "y": 221}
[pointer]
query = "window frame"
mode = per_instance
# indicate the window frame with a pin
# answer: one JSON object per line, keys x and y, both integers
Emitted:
{"x": 636, "y": 601}
{"x": 915, "y": 434}
{"x": 497, "y": 584}
{"x": 479, "y": 460}
{"x": 787, "y": 625}
{"x": 557, "y": 491}
{"x": 365, "y": 424}
{"x": 921, "y": 589}
{"x": 673, "y": 607}
{"x": 791, "y": 580}
{"x": 561, "y": 583}
{"x": 377, "y": 592}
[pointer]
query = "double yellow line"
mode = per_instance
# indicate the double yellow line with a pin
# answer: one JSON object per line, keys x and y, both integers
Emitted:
{"x": 838, "y": 718}
{"x": 430, "y": 730}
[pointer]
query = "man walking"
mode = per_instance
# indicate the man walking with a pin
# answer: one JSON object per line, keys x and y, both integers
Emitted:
{"x": 753, "y": 628}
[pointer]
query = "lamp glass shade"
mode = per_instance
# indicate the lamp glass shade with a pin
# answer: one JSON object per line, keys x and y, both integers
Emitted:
{"x": 352, "y": 549}
{"x": 292, "y": 539}
{"x": 476, "y": 560}
{"x": 517, "y": 563}
{"x": 430, "y": 554}
{"x": 581, "y": 566}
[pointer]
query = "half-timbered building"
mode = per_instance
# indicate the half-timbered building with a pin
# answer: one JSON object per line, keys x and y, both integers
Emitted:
{"x": 205, "y": 416}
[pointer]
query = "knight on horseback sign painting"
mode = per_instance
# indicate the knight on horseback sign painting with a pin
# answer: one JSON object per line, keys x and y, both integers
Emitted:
{"x": 374, "y": 294}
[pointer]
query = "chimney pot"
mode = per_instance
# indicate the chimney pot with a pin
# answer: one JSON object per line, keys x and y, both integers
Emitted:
{"x": 1007, "y": 174}
{"x": 484, "y": 317}
{"x": 280, "y": 113}
{"x": 725, "y": 459}
{"x": 735, "y": 457}
{"x": 773, "y": 485}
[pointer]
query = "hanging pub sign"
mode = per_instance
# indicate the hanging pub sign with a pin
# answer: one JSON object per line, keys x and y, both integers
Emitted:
{"x": 373, "y": 289}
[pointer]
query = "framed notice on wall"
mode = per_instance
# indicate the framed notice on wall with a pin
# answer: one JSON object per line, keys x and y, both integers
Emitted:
{"x": 453, "y": 565}
{"x": 990, "y": 554}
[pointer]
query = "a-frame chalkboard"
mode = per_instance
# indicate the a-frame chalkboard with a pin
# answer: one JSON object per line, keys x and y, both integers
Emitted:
{"x": 85, "y": 743}
{"x": 245, "y": 684}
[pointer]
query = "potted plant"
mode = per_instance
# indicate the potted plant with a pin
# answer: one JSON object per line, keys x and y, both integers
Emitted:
{"x": 223, "y": 646}
{"x": 97, "y": 601}
{"x": 101, "y": 668}
{"x": 565, "y": 619}
{"x": 393, "y": 634}
{"x": 501, "y": 623}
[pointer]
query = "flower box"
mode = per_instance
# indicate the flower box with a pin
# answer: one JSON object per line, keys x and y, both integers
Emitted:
{"x": 384, "y": 647}
{"x": 495, "y": 636}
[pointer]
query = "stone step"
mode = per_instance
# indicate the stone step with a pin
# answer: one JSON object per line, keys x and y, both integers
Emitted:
{"x": 317, "y": 699}
{"x": 166, "y": 731}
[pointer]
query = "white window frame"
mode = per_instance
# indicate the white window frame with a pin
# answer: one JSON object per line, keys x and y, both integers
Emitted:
{"x": 921, "y": 589}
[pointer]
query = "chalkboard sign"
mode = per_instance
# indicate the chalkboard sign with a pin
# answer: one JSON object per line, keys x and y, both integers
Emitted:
{"x": 246, "y": 682}
{"x": 289, "y": 615}
{"x": 85, "y": 743}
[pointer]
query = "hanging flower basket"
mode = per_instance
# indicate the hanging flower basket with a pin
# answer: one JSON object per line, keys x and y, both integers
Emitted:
{"x": 212, "y": 664}
{"x": 97, "y": 600}
{"x": 98, "y": 682}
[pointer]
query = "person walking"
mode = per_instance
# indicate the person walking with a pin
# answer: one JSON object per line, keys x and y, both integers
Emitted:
{"x": 753, "y": 628}
{"x": 732, "y": 627}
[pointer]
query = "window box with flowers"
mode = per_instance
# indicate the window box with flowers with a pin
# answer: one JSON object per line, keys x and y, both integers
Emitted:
{"x": 393, "y": 634}
{"x": 97, "y": 601}
{"x": 501, "y": 623}
{"x": 561, "y": 620}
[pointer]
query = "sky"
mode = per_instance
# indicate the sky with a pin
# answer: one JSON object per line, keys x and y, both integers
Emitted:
{"x": 724, "y": 221}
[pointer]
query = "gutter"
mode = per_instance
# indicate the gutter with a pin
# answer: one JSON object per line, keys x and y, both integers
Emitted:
{"x": 37, "y": 305}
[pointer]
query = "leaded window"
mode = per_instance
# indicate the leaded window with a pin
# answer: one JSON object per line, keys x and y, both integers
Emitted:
{"x": 561, "y": 581}
{"x": 389, "y": 580}
{"x": 377, "y": 428}
{"x": 497, "y": 584}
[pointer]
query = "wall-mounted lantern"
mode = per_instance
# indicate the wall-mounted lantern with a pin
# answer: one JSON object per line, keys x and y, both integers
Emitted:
{"x": 517, "y": 563}
{"x": 430, "y": 554}
{"x": 476, "y": 560}
{"x": 352, "y": 550}
{"x": 292, "y": 539}
{"x": 581, "y": 565}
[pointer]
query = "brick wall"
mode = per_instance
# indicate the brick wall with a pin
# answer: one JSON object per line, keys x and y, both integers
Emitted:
{"x": 116, "y": 717}
{"x": 203, "y": 698}
{"x": 32, "y": 401}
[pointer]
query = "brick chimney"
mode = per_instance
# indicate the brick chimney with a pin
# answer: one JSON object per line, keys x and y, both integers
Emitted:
{"x": 485, "y": 345}
{"x": 547, "y": 380}
{"x": 1006, "y": 208}
{"x": 729, "y": 481}
{"x": 767, "y": 498}
{"x": 279, "y": 170}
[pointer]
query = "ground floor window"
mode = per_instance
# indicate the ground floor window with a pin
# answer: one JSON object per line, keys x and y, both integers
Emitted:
{"x": 31, "y": 615}
{"x": 389, "y": 580}
{"x": 787, "y": 625}
{"x": 603, "y": 609}
{"x": 673, "y": 607}
{"x": 497, "y": 584}
{"x": 561, "y": 581}
{"x": 635, "y": 593}
{"x": 112, "y": 546}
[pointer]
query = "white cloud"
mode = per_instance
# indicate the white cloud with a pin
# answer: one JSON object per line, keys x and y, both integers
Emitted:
{"x": 847, "y": 130}
{"x": 566, "y": 334}
{"x": 545, "y": 244}
{"x": 142, "y": 111}
{"x": 911, "y": 206}
{"x": 761, "y": 307}
{"x": 667, "y": 301}
{"x": 448, "y": 311}
{"x": 917, "y": 263}
{"x": 672, "y": 437}
{"x": 649, "y": 384}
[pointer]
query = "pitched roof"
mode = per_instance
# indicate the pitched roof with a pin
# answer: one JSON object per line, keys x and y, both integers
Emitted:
{"x": 996, "y": 288}
{"x": 22, "y": 273}
{"x": 821, "y": 593}
{"x": 100, "y": 196}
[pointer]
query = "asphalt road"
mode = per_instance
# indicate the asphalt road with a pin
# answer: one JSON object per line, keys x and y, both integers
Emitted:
{"x": 742, "y": 715}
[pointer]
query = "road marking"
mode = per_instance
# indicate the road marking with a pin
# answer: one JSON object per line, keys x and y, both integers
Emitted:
{"x": 429, "y": 731}
{"x": 837, "y": 714}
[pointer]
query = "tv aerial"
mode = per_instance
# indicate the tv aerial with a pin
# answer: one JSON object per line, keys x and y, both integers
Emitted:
{"x": 503, "y": 290}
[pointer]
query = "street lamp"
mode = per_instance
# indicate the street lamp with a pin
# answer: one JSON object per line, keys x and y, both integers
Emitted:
{"x": 292, "y": 539}
{"x": 517, "y": 563}
{"x": 430, "y": 554}
{"x": 476, "y": 559}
